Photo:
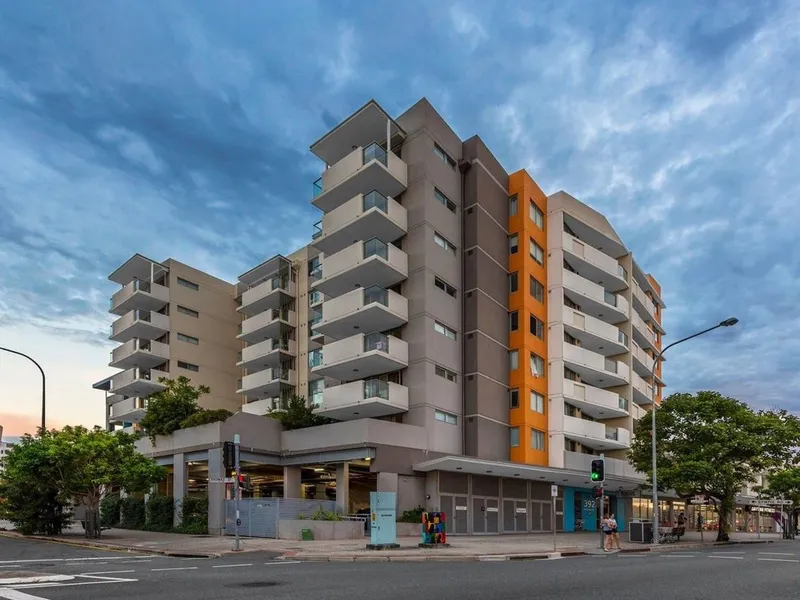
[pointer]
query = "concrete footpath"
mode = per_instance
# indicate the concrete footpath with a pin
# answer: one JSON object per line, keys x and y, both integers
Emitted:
{"x": 494, "y": 547}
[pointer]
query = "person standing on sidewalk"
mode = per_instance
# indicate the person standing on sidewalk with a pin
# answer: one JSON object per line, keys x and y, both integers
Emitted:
{"x": 605, "y": 525}
{"x": 612, "y": 522}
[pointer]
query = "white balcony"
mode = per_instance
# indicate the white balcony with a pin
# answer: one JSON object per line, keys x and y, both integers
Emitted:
{"x": 269, "y": 353}
{"x": 642, "y": 393}
{"x": 130, "y": 410}
{"x": 363, "y": 356}
{"x": 361, "y": 171}
{"x": 578, "y": 461}
{"x": 595, "y": 335}
{"x": 363, "y": 399}
{"x": 141, "y": 295}
{"x": 142, "y": 324}
{"x": 645, "y": 306}
{"x": 266, "y": 325}
{"x": 267, "y": 295}
{"x": 138, "y": 382}
{"x": 264, "y": 406}
{"x": 362, "y": 264}
{"x": 594, "y": 264}
{"x": 594, "y": 299}
{"x": 364, "y": 310}
{"x": 267, "y": 383}
{"x": 596, "y": 435}
{"x": 114, "y": 398}
{"x": 363, "y": 217}
{"x": 642, "y": 334}
{"x": 139, "y": 353}
{"x": 642, "y": 361}
{"x": 595, "y": 402}
{"x": 595, "y": 369}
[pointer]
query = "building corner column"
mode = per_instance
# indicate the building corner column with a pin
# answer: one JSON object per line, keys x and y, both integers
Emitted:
{"x": 180, "y": 485}
{"x": 343, "y": 488}
{"x": 292, "y": 479}
{"x": 216, "y": 492}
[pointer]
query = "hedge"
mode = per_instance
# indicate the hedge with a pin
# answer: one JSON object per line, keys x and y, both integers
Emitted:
{"x": 110, "y": 507}
{"x": 132, "y": 513}
{"x": 194, "y": 515}
{"x": 159, "y": 513}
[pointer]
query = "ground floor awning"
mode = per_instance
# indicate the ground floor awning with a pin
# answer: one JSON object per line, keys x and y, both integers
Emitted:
{"x": 561, "y": 477}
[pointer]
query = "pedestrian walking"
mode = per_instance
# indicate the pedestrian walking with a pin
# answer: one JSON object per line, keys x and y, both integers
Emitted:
{"x": 699, "y": 522}
{"x": 681, "y": 520}
{"x": 612, "y": 522}
{"x": 605, "y": 525}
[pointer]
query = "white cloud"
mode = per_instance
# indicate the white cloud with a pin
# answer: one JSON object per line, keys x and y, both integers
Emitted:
{"x": 133, "y": 147}
{"x": 341, "y": 63}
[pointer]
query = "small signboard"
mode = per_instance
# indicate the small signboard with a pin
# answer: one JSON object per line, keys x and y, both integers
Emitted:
{"x": 554, "y": 491}
{"x": 699, "y": 499}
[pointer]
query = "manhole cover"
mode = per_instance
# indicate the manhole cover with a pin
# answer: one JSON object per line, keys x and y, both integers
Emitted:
{"x": 258, "y": 584}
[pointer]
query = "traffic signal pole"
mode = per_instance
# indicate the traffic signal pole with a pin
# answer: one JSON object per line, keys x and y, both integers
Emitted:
{"x": 237, "y": 547}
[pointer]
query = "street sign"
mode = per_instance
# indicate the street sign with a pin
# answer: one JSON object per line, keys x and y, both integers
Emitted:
{"x": 554, "y": 491}
{"x": 699, "y": 499}
{"x": 763, "y": 503}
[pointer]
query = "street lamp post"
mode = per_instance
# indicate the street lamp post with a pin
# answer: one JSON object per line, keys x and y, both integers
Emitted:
{"x": 44, "y": 380}
{"x": 726, "y": 323}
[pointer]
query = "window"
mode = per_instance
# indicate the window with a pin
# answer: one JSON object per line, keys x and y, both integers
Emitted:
{"x": 512, "y": 205}
{"x": 445, "y": 287}
{"x": 314, "y": 297}
{"x": 446, "y": 417}
{"x": 316, "y": 388}
{"x": 445, "y": 373}
{"x": 537, "y": 365}
{"x": 513, "y": 360}
{"x": 513, "y": 282}
{"x": 189, "y": 284}
{"x": 188, "y": 311}
{"x": 536, "y": 327}
{"x": 513, "y": 244}
{"x": 444, "y": 330}
{"x": 537, "y": 289}
{"x": 537, "y": 253}
{"x": 440, "y": 241}
{"x": 513, "y": 398}
{"x": 451, "y": 206}
{"x": 537, "y": 402}
{"x": 513, "y": 320}
{"x": 537, "y": 216}
{"x": 188, "y": 366}
{"x": 188, "y": 338}
{"x": 444, "y": 156}
{"x": 537, "y": 439}
{"x": 513, "y": 436}
{"x": 571, "y": 445}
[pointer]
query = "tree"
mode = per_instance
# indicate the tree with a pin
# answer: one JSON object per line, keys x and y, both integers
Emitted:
{"x": 298, "y": 415}
{"x": 30, "y": 498}
{"x": 203, "y": 417}
{"x": 785, "y": 484}
{"x": 713, "y": 445}
{"x": 166, "y": 410}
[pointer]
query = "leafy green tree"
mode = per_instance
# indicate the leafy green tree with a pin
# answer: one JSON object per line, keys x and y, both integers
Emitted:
{"x": 784, "y": 484}
{"x": 166, "y": 410}
{"x": 298, "y": 415}
{"x": 29, "y": 497}
{"x": 203, "y": 417}
{"x": 714, "y": 445}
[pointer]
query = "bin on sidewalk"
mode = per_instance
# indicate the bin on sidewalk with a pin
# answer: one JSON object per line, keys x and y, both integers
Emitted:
{"x": 640, "y": 532}
{"x": 307, "y": 535}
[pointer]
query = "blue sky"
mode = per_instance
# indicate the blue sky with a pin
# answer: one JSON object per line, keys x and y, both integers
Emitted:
{"x": 182, "y": 129}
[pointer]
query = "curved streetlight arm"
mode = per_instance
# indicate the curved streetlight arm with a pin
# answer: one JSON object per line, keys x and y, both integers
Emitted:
{"x": 44, "y": 380}
{"x": 726, "y": 323}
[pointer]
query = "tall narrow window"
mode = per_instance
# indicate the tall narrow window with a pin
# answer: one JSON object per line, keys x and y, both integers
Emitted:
{"x": 513, "y": 398}
{"x": 513, "y": 244}
{"x": 537, "y": 402}
{"x": 537, "y": 439}
{"x": 537, "y": 365}
{"x": 513, "y": 282}
{"x": 537, "y": 216}
{"x": 513, "y": 320}
{"x": 536, "y": 251}
{"x": 513, "y": 360}
{"x": 536, "y": 327}
{"x": 513, "y": 436}
{"x": 512, "y": 205}
{"x": 537, "y": 289}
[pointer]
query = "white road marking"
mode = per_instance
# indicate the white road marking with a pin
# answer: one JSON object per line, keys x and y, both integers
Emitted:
{"x": 17, "y": 595}
{"x": 728, "y": 557}
{"x": 109, "y": 572}
{"x": 284, "y": 562}
{"x": 631, "y": 554}
{"x": 677, "y": 556}
{"x": 791, "y": 560}
{"x": 737, "y": 552}
{"x": 232, "y": 566}
{"x": 176, "y": 569}
{"x": 44, "y": 560}
{"x": 777, "y": 553}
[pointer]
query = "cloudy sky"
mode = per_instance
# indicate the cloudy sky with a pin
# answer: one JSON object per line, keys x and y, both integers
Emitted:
{"x": 182, "y": 129}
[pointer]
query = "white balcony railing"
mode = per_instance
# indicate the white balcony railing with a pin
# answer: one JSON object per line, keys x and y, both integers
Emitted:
{"x": 593, "y": 256}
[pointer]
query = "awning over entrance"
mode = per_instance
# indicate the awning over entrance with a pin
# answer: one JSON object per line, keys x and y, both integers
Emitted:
{"x": 562, "y": 477}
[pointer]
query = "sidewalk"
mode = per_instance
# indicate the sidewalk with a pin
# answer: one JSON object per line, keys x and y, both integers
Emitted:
{"x": 496, "y": 547}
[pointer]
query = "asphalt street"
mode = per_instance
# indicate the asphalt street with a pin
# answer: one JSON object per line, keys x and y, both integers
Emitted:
{"x": 732, "y": 572}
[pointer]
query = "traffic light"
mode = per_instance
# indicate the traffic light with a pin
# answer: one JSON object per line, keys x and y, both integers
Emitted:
{"x": 597, "y": 491}
{"x": 229, "y": 456}
{"x": 598, "y": 470}
{"x": 244, "y": 482}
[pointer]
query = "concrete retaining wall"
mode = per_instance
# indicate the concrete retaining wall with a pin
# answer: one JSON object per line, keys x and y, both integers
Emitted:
{"x": 323, "y": 530}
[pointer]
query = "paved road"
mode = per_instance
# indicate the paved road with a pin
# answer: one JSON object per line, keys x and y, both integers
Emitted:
{"x": 737, "y": 572}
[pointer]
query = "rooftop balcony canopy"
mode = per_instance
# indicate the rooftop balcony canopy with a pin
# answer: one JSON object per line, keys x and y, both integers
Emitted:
{"x": 137, "y": 267}
{"x": 591, "y": 236}
{"x": 278, "y": 265}
{"x": 367, "y": 124}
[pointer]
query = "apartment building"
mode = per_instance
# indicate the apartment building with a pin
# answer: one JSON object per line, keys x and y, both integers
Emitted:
{"x": 6, "y": 444}
{"x": 172, "y": 320}
{"x": 475, "y": 341}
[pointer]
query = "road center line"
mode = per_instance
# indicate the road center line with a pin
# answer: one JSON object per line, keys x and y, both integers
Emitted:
{"x": 677, "y": 556}
{"x": 46, "y": 560}
{"x": 284, "y": 562}
{"x": 736, "y": 552}
{"x": 791, "y": 560}
{"x": 232, "y": 566}
{"x": 175, "y": 569}
{"x": 777, "y": 553}
{"x": 109, "y": 572}
{"x": 728, "y": 557}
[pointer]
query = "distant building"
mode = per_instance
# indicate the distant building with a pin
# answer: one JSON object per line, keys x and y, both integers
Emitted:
{"x": 6, "y": 443}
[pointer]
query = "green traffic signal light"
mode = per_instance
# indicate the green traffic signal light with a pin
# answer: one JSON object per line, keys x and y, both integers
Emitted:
{"x": 595, "y": 476}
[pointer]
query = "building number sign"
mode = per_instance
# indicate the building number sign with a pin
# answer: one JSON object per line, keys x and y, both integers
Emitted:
{"x": 589, "y": 504}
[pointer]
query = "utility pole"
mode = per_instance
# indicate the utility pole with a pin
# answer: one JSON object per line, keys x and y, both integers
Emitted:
{"x": 44, "y": 381}
{"x": 237, "y": 490}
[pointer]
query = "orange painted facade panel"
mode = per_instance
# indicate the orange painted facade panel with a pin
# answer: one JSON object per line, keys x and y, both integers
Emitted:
{"x": 527, "y": 308}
